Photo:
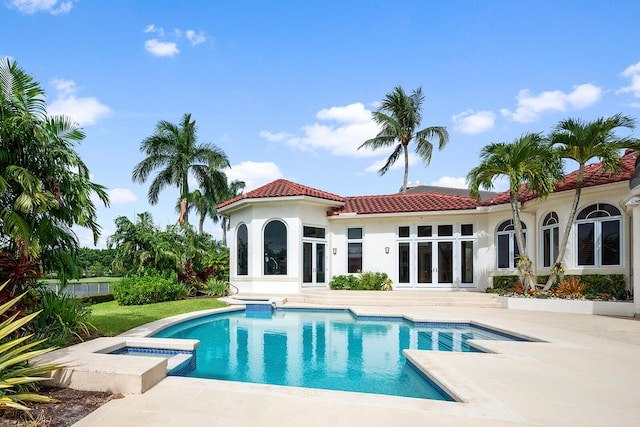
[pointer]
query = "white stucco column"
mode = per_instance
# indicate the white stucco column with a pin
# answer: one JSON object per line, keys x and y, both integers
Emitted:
{"x": 634, "y": 205}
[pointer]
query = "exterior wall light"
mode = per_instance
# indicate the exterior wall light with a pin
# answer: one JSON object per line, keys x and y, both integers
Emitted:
{"x": 386, "y": 250}
{"x": 335, "y": 251}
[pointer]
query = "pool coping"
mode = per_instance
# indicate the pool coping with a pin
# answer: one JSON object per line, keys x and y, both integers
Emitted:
{"x": 90, "y": 366}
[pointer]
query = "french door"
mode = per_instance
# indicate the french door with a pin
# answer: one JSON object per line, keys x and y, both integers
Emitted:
{"x": 313, "y": 263}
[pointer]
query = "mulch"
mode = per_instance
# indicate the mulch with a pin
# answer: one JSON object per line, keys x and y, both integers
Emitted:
{"x": 73, "y": 405}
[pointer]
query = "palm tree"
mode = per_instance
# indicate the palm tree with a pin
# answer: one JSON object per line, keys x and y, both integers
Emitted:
{"x": 174, "y": 150}
{"x": 45, "y": 187}
{"x": 528, "y": 160}
{"x": 204, "y": 205}
{"x": 399, "y": 116}
{"x": 583, "y": 141}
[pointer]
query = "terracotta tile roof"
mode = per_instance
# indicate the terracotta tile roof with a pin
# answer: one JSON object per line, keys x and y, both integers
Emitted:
{"x": 593, "y": 175}
{"x": 397, "y": 203}
{"x": 283, "y": 188}
{"x": 427, "y": 201}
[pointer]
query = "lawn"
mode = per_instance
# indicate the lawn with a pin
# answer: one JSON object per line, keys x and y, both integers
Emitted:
{"x": 111, "y": 319}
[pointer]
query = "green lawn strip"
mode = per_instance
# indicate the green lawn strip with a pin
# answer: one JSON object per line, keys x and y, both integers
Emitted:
{"x": 112, "y": 319}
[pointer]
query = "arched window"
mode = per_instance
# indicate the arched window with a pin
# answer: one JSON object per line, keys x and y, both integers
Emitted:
{"x": 275, "y": 248}
{"x": 506, "y": 244}
{"x": 550, "y": 239}
{"x": 598, "y": 235}
{"x": 242, "y": 250}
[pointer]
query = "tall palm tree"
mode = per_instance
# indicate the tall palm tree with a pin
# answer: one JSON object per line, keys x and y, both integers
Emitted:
{"x": 45, "y": 187}
{"x": 528, "y": 160}
{"x": 583, "y": 141}
{"x": 174, "y": 150}
{"x": 399, "y": 116}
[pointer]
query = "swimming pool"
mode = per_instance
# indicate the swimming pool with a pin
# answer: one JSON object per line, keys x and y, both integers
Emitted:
{"x": 326, "y": 349}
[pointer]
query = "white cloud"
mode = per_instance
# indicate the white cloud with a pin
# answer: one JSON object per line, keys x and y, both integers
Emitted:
{"x": 85, "y": 111}
{"x": 274, "y": 137}
{"x": 473, "y": 122}
{"x": 160, "y": 48}
{"x": 632, "y": 72}
{"x": 121, "y": 196}
{"x": 151, "y": 28}
{"x": 195, "y": 38}
{"x": 254, "y": 174}
{"x": 450, "y": 182}
{"x": 531, "y": 106}
{"x": 353, "y": 126}
{"x": 33, "y": 6}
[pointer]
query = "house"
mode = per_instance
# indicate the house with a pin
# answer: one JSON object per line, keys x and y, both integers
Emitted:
{"x": 286, "y": 237}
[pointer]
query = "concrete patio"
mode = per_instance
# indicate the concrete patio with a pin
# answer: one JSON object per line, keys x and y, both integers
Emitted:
{"x": 582, "y": 371}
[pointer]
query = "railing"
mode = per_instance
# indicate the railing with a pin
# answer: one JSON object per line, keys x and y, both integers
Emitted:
{"x": 81, "y": 289}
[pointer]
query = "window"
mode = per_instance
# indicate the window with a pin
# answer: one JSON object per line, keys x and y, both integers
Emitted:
{"x": 598, "y": 235}
{"x": 275, "y": 248}
{"x": 242, "y": 250}
{"x": 354, "y": 250}
{"x": 507, "y": 247}
{"x": 550, "y": 239}
{"x": 313, "y": 232}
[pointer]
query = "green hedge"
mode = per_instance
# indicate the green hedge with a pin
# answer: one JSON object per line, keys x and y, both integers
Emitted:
{"x": 367, "y": 281}
{"x": 150, "y": 288}
{"x": 597, "y": 284}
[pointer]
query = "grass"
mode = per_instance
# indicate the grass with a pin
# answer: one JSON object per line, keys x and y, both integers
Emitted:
{"x": 112, "y": 319}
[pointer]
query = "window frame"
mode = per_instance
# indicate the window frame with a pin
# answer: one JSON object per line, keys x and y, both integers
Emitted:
{"x": 507, "y": 228}
{"x": 355, "y": 242}
{"x": 553, "y": 228}
{"x": 596, "y": 214}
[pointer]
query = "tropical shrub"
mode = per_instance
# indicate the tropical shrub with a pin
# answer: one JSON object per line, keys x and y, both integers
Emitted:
{"x": 217, "y": 287}
{"x": 367, "y": 281}
{"x": 63, "y": 318}
{"x": 17, "y": 377}
{"x": 344, "y": 282}
{"x": 571, "y": 287}
{"x": 149, "y": 288}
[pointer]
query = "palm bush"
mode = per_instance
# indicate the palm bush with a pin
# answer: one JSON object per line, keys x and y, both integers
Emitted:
{"x": 17, "y": 377}
{"x": 149, "y": 288}
{"x": 63, "y": 318}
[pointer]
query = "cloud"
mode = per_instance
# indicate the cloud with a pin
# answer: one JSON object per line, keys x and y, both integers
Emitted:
{"x": 633, "y": 73}
{"x": 274, "y": 137}
{"x": 473, "y": 122}
{"x": 33, "y": 6}
{"x": 159, "y": 48}
{"x": 349, "y": 126}
{"x": 153, "y": 29}
{"x": 254, "y": 174}
{"x": 530, "y": 107}
{"x": 450, "y": 182}
{"x": 121, "y": 196}
{"x": 195, "y": 38}
{"x": 85, "y": 111}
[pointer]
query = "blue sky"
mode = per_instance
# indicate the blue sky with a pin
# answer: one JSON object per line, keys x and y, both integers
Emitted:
{"x": 286, "y": 88}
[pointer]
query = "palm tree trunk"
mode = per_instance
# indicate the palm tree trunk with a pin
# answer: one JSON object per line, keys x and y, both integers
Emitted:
{"x": 557, "y": 265}
{"x": 201, "y": 224}
{"x": 525, "y": 266}
{"x": 184, "y": 211}
{"x": 224, "y": 231}
{"x": 406, "y": 168}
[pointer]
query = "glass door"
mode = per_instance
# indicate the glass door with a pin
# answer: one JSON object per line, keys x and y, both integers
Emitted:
{"x": 313, "y": 263}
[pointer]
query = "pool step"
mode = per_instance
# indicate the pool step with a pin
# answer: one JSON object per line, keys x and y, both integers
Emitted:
{"x": 396, "y": 298}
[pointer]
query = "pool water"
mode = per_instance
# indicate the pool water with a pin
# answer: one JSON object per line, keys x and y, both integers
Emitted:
{"x": 326, "y": 349}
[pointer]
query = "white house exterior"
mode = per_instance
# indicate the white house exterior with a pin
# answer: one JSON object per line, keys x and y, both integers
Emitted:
{"x": 285, "y": 237}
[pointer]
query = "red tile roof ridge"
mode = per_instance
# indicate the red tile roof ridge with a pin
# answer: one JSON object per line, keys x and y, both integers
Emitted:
{"x": 283, "y": 188}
